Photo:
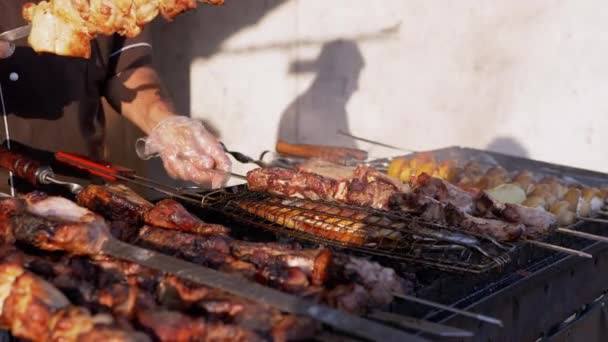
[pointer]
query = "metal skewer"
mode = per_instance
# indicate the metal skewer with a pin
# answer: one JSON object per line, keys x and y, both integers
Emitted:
{"x": 341, "y": 132}
{"x": 559, "y": 248}
{"x": 591, "y": 219}
{"x": 474, "y": 315}
{"x": 582, "y": 234}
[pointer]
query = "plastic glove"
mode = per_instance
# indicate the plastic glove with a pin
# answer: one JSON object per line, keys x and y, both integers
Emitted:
{"x": 6, "y": 49}
{"x": 188, "y": 151}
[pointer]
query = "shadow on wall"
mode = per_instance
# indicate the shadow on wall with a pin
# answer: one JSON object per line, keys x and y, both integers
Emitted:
{"x": 315, "y": 116}
{"x": 192, "y": 35}
{"x": 508, "y": 145}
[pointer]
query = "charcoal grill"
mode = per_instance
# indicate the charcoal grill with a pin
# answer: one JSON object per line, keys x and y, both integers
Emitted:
{"x": 539, "y": 294}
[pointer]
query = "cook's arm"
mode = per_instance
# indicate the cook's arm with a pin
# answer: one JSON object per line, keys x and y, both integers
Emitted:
{"x": 188, "y": 150}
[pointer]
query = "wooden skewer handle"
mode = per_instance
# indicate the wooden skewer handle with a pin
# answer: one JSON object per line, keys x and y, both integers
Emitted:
{"x": 329, "y": 153}
{"x": 21, "y": 166}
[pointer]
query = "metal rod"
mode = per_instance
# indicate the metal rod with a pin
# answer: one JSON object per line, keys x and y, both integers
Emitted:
{"x": 419, "y": 325}
{"x": 590, "y": 219}
{"x": 583, "y": 234}
{"x": 341, "y": 132}
{"x": 559, "y": 248}
{"x": 479, "y": 317}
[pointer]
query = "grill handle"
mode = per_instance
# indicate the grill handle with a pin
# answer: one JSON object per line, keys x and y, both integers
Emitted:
{"x": 21, "y": 166}
{"x": 99, "y": 168}
{"x": 329, "y": 153}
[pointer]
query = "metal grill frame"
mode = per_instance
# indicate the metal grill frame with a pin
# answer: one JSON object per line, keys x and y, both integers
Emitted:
{"x": 226, "y": 202}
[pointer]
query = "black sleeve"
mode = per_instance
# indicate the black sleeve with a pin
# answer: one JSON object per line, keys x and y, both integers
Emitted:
{"x": 129, "y": 53}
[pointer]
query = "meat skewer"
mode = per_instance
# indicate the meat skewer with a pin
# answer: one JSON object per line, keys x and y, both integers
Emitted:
{"x": 66, "y": 27}
{"x": 35, "y": 310}
{"x": 119, "y": 287}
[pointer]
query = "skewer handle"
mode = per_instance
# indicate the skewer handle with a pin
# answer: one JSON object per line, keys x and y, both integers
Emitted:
{"x": 99, "y": 168}
{"x": 329, "y": 153}
{"x": 22, "y": 166}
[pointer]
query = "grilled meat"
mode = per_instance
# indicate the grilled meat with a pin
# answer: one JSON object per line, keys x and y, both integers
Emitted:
{"x": 314, "y": 263}
{"x": 367, "y": 187}
{"x": 324, "y": 226}
{"x": 169, "y": 214}
{"x": 118, "y": 203}
{"x": 215, "y": 252}
{"x": 444, "y": 192}
{"x": 174, "y": 326}
{"x": 327, "y": 169}
{"x": 538, "y": 221}
{"x": 33, "y": 309}
{"x": 124, "y": 289}
{"x": 115, "y": 202}
{"x": 55, "y": 223}
{"x": 499, "y": 230}
{"x": 65, "y": 27}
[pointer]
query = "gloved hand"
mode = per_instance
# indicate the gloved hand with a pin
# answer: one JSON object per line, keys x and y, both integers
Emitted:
{"x": 188, "y": 151}
{"x": 6, "y": 49}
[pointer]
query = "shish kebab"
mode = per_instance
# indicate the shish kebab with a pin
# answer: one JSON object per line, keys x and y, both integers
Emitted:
{"x": 367, "y": 187}
{"x": 80, "y": 231}
{"x": 66, "y": 27}
{"x": 133, "y": 210}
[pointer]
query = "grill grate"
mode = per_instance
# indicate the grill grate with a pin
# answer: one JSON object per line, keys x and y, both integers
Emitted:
{"x": 374, "y": 232}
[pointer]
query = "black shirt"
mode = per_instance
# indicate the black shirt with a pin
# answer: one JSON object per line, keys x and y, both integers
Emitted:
{"x": 53, "y": 103}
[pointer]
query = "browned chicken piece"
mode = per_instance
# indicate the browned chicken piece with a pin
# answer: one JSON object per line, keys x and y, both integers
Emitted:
{"x": 57, "y": 224}
{"x": 538, "y": 221}
{"x": 35, "y": 310}
{"x": 174, "y": 326}
{"x": 499, "y": 230}
{"x": 115, "y": 202}
{"x": 169, "y": 214}
{"x": 211, "y": 251}
{"x": 444, "y": 192}
{"x": 66, "y": 27}
{"x": 9, "y": 207}
{"x": 314, "y": 263}
{"x": 183, "y": 295}
{"x": 215, "y": 252}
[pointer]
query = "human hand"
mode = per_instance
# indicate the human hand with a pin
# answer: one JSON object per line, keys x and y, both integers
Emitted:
{"x": 188, "y": 151}
{"x": 6, "y": 49}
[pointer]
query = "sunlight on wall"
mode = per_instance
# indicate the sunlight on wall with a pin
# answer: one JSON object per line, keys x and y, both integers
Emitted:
{"x": 466, "y": 73}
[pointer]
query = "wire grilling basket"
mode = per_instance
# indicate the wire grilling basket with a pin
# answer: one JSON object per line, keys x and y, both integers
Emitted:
{"x": 374, "y": 232}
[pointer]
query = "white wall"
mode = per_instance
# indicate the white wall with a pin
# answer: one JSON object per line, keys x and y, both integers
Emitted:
{"x": 523, "y": 77}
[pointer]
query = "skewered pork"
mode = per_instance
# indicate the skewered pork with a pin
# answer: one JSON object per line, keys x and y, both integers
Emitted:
{"x": 367, "y": 187}
{"x": 66, "y": 27}
{"x": 115, "y": 202}
{"x": 33, "y": 309}
{"x": 122, "y": 288}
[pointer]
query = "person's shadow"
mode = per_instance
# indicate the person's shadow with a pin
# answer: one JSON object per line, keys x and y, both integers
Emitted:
{"x": 315, "y": 116}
